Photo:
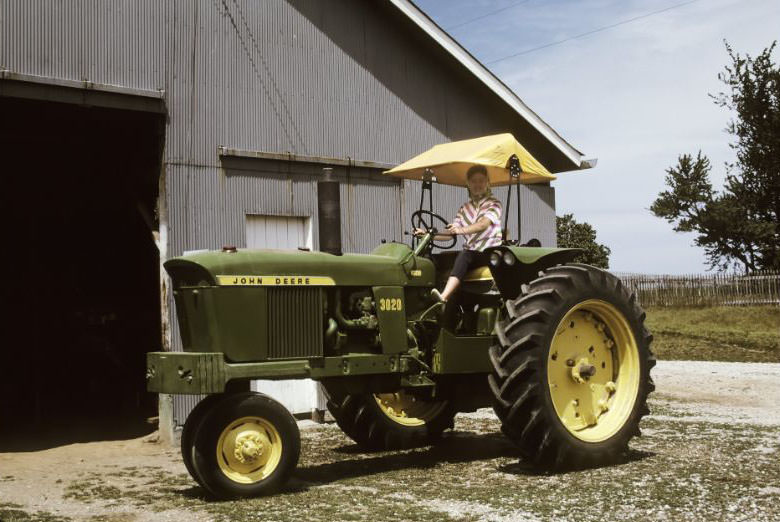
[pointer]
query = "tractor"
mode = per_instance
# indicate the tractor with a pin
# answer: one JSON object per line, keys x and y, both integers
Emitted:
{"x": 557, "y": 348}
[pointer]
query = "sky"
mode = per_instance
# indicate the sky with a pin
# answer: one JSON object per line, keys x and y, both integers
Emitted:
{"x": 635, "y": 96}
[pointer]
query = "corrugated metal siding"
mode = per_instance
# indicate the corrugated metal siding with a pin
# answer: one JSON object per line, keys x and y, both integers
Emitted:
{"x": 538, "y": 214}
{"x": 209, "y": 205}
{"x": 340, "y": 79}
{"x": 121, "y": 42}
{"x": 183, "y": 405}
{"x": 370, "y": 211}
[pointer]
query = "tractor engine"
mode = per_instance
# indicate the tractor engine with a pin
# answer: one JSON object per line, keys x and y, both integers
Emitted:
{"x": 352, "y": 324}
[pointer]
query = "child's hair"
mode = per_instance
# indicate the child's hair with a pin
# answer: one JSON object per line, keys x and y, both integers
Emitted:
{"x": 475, "y": 169}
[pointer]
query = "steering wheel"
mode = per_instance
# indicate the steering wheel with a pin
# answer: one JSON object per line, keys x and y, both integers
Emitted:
{"x": 424, "y": 219}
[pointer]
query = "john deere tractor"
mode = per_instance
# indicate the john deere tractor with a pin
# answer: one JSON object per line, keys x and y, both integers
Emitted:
{"x": 558, "y": 349}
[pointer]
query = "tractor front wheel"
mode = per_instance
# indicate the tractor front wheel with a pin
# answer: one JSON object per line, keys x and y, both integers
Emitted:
{"x": 191, "y": 426}
{"x": 385, "y": 421}
{"x": 571, "y": 372}
{"x": 246, "y": 447}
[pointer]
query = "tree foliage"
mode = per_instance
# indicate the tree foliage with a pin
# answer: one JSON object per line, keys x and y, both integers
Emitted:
{"x": 739, "y": 224}
{"x": 581, "y": 235}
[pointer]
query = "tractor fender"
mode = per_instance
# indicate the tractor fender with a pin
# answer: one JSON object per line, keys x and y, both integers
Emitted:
{"x": 513, "y": 266}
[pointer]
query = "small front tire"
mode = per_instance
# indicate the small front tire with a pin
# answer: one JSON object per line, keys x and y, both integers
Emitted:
{"x": 247, "y": 447}
{"x": 191, "y": 426}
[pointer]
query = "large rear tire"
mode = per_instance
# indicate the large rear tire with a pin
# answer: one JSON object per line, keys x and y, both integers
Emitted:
{"x": 571, "y": 372}
{"x": 390, "y": 420}
{"x": 246, "y": 447}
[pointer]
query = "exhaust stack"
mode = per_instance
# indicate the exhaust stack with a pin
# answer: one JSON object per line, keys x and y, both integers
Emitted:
{"x": 329, "y": 212}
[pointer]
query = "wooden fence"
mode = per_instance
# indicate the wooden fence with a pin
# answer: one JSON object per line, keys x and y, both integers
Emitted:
{"x": 720, "y": 289}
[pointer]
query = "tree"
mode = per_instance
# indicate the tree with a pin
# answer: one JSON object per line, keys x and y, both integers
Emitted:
{"x": 738, "y": 225}
{"x": 581, "y": 235}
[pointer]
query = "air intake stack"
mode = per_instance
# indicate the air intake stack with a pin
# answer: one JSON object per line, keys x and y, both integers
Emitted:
{"x": 329, "y": 211}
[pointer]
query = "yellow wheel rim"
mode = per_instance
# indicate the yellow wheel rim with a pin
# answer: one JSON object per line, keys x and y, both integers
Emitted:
{"x": 249, "y": 450}
{"x": 593, "y": 370}
{"x": 407, "y": 410}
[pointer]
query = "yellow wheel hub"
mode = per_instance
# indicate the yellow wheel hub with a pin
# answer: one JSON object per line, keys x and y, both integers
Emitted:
{"x": 249, "y": 450}
{"x": 407, "y": 410}
{"x": 593, "y": 370}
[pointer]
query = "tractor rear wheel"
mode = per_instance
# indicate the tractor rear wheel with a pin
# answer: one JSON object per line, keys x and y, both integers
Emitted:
{"x": 571, "y": 372}
{"x": 385, "y": 421}
{"x": 246, "y": 447}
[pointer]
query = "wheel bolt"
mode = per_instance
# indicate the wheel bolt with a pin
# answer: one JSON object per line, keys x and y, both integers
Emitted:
{"x": 569, "y": 362}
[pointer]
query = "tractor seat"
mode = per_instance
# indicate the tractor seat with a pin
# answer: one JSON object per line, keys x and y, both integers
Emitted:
{"x": 478, "y": 280}
{"x": 481, "y": 273}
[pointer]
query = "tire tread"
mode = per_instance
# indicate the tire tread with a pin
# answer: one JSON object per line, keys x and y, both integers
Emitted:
{"x": 518, "y": 377}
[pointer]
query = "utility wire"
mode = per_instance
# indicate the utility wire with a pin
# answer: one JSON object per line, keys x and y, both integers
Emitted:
{"x": 450, "y": 28}
{"x": 598, "y": 30}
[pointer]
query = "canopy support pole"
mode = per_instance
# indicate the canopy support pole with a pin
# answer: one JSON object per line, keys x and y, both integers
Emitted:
{"x": 514, "y": 178}
{"x": 505, "y": 232}
{"x": 427, "y": 186}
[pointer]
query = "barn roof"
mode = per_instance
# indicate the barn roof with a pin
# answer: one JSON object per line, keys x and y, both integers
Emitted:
{"x": 568, "y": 158}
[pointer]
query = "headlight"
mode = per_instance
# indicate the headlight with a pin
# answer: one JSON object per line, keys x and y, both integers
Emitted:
{"x": 509, "y": 258}
{"x": 495, "y": 259}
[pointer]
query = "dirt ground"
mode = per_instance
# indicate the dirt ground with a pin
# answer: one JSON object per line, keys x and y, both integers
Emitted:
{"x": 710, "y": 450}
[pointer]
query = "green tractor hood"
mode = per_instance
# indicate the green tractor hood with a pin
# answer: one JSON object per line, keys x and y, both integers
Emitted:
{"x": 390, "y": 264}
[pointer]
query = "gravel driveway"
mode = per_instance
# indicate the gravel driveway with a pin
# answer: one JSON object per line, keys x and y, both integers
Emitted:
{"x": 710, "y": 451}
{"x": 721, "y": 392}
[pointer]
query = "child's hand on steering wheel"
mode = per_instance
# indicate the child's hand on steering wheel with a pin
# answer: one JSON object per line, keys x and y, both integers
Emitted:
{"x": 453, "y": 230}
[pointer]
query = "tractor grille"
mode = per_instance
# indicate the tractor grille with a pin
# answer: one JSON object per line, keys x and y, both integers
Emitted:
{"x": 294, "y": 323}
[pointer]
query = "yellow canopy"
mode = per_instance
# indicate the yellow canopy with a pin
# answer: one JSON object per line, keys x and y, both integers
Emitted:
{"x": 450, "y": 161}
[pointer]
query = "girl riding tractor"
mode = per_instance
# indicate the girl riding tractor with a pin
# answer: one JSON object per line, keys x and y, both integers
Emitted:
{"x": 479, "y": 221}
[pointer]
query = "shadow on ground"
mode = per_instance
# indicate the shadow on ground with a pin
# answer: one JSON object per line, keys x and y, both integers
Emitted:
{"x": 527, "y": 468}
{"x": 456, "y": 447}
{"x": 63, "y": 432}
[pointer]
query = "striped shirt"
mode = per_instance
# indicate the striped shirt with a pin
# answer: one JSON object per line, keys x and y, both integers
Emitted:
{"x": 470, "y": 212}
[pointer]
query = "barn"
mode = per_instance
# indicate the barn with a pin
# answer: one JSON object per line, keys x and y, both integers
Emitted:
{"x": 133, "y": 131}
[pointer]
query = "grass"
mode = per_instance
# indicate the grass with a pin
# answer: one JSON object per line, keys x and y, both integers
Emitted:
{"x": 10, "y": 512}
{"x": 734, "y": 333}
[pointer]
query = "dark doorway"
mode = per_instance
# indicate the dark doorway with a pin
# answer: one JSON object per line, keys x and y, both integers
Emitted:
{"x": 81, "y": 271}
